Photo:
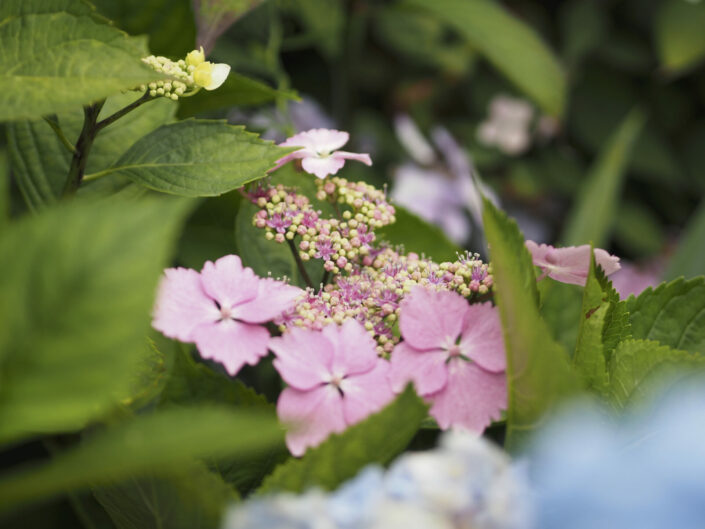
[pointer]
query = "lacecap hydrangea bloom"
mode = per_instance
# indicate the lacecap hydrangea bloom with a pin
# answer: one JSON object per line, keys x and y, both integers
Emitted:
{"x": 335, "y": 379}
{"x": 570, "y": 264}
{"x": 454, "y": 353}
{"x": 644, "y": 470}
{"x": 221, "y": 310}
{"x": 464, "y": 483}
{"x": 319, "y": 152}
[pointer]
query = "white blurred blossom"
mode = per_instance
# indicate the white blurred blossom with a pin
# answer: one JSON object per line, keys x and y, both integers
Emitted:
{"x": 507, "y": 126}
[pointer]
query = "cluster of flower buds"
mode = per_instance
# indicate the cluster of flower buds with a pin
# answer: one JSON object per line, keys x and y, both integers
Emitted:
{"x": 339, "y": 242}
{"x": 187, "y": 75}
{"x": 371, "y": 293}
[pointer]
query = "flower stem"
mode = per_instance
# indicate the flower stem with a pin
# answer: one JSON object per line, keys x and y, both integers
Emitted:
{"x": 53, "y": 122}
{"x": 300, "y": 263}
{"x": 129, "y": 108}
{"x": 83, "y": 147}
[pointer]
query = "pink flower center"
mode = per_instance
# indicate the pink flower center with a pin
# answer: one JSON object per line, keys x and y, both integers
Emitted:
{"x": 225, "y": 313}
{"x": 454, "y": 351}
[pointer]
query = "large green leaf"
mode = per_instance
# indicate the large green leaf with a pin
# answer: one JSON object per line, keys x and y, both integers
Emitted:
{"x": 377, "y": 439}
{"x": 673, "y": 314}
{"x": 191, "y": 497}
{"x": 237, "y": 90}
{"x": 417, "y": 235}
{"x": 510, "y": 45}
{"x": 198, "y": 158}
{"x": 637, "y": 364}
{"x": 679, "y": 34}
{"x": 538, "y": 371}
{"x": 57, "y": 54}
{"x": 592, "y": 217}
{"x": 604, "y": 322}
{"x": 560, "y": 309}
{"x": 689, "y": 259}
{"x": 75, "y": 300}
{"x": 157, "y": 442}
{"x": 41, "y": 163}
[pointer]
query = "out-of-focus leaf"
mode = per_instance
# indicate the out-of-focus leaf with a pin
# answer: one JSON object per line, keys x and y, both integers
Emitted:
{"x": 75, "y": 300}
{"x": 377, "y": 439}
{"x": 636, "y": 364}
{"x": 324, "y": 20}
{"x": 583, "y": 26}
{"x": 592, "y": 217}
{"x": 41, "y": 162}
{"x": 190, "y": 497}
{"x": 158, "y": 442}
{"x": 57, "y": 55}
{"x": 679, "y": 35}
{"x": 638, "y": 231}
{"x": 417, "y": 235}
{"x": 168, "y": 23}
{"x": 672, "y": 314}
{"x": 4, "y": 188}
{"x": 689, "y": 259}
{"x": 214, "y": 17}
{"x": 197, "y": 158}
{"x": 627, "y": 51}
{"x": 237, "y": 90}
{"x": 539, "y": 374}
{"x": 510, "y": 45}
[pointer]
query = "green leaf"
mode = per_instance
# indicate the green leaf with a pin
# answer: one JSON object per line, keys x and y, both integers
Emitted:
{"x": 592, "y": 217}
{"x": 539, "y": 374}
{"x": 57, "y": 55}
{"x": 5, "y": 206}
{"x": 258, "y": 253}
{"x": 198, "y": 158}
{"x": 510, "y": 45}
{"x": 604, "y": 323}
{"x": 673, "y": 314}
{"x": 159, "y": 442}
{"x": 41, "y": 162}
{"x": 583, "y": 25}
{"x": 689, "y": 259}
{"x": 191, "y": 497}
{"x": 214, "y": 17}
{"x": 560, "y": 309}
{"x": 377, "y": 439}
{"x": 237, "y": 90}
{"x": 637, "y": 364}
{"x": 679, "y": 35}
{"x": 75, "y": 302}
{"x": 324, "y": 20}
{"x": 417, "y": 235}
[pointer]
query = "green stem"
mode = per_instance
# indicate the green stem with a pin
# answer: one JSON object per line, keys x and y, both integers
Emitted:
{"x": 53, "y": 122}
{"x": 300, "y": 263}
{"x": 83, "y": 147}
{"x": 129, "y": 108}
{"x": 325, "y": 279}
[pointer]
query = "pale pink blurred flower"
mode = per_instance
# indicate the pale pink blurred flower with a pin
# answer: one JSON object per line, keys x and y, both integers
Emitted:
{"x": 318, "y": 154}
{"x": 570, "y": 264}
{"x": 454, "y": 354}
{"x": 507, "y": 126}
{"x": 633, "y": 279}
{"x": 335, "y": 380}
{"x": 220, "y": 310}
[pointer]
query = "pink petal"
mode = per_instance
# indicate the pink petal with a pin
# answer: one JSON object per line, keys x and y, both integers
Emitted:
{"x": 228, "y": 282}
{"x": 296, "y": 155}
{"x": 318, "y": 140}
{"x": 313, "y": 415}
{"x": 273, "y": 298}
{"x": 471, "y": 399}
{"x": 182, "y": 305}
{"x": 367, "y": 393}
{"x": 355, "y": 350}
{"x": 232, "y": 343}
{"x": 429, "y": 319}
{"x": 322, "y": 167}
{"x": 608, "y": 263}
{"x": 482, "y": 339}
{"x": 358, "y": 157}
{"x": 304, "y": 357}
{"x": 426, "y": 369}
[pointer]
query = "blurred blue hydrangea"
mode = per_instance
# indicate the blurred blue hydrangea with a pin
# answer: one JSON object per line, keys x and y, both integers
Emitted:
{"x": 465, "y": 483}
{"x": 646, "y": 470}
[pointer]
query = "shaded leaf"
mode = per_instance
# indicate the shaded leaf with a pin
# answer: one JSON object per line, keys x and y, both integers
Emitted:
{"x": 679, "y": 35}
{"x": 689, "y": 259}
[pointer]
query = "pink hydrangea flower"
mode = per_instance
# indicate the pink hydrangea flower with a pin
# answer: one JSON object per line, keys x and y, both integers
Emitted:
{"x": 220, "y": 310}
{"x": 570, "y": 264}
{"x": 335, "y": 380}
{"x": 454, "y": 354}
{"x": 319, "y": 154}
